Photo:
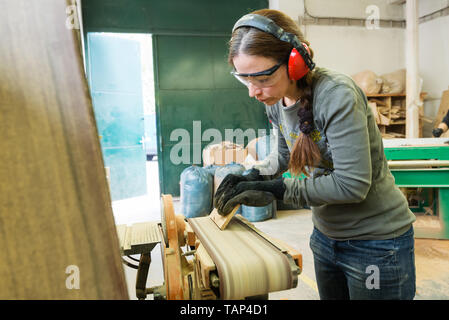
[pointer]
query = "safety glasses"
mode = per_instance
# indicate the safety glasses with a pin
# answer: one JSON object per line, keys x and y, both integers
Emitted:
{"x": 262, "y": 79}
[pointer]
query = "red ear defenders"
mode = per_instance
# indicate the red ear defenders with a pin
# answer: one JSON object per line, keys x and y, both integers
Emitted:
{"x": 299, "y": 61}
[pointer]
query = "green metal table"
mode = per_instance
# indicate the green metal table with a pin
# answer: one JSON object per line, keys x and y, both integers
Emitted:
{"x": 423, "y": 163}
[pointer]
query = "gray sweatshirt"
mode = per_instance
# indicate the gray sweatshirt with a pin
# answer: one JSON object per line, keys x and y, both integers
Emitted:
{"x": 352, "y": 192}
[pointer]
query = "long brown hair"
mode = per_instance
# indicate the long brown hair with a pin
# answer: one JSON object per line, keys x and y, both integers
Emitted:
{"x": 252, "y": 41}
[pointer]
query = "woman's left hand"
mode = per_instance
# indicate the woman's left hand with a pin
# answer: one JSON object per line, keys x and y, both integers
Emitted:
{"x": 250, "y": 193}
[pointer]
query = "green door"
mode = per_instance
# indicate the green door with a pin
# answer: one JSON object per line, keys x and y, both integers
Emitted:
{"x": 192, "y": 80}
{"x": 114, "y": 76}
{"x": 195, "y": 92}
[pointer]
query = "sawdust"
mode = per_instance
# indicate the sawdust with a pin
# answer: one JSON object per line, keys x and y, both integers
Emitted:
{"x": 432, "y": 268}
{"x": 431, "y": 258}
{"x": 427, "y": 222}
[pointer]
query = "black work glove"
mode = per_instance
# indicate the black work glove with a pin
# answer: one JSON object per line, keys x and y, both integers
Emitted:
{"x": 437, "y": 132}
{"x": 250, "y": 193}
{"x": 231, "y": 180}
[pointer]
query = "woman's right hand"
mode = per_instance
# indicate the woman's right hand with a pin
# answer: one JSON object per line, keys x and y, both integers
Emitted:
{"x": 437, "y": 132}
{"x": 231, "y": 181}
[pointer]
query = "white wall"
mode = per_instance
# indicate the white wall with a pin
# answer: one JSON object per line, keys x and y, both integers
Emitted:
{"x": 352, "y": 49}
{"x": 337, "y": 8}
{"x": 433, "y": 56}
{"x": 429, "y": 6}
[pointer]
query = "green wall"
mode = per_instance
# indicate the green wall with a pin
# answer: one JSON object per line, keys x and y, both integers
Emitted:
{"x": 166, "y": 16}
{"x": 192, "y": 80}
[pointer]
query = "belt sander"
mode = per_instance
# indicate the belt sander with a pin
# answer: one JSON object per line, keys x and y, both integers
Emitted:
{"x": 211, "y": 257}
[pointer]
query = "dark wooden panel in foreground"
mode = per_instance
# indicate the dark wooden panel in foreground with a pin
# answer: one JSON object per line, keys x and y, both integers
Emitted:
{"x": 55, "y": 211}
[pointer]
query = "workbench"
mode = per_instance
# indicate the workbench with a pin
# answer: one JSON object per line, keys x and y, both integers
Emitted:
{"x": 423, "y": 163}
{"x": 200, "y": 260}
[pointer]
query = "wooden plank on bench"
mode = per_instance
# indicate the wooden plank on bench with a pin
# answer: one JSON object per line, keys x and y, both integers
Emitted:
{"x": 57, "y": 228}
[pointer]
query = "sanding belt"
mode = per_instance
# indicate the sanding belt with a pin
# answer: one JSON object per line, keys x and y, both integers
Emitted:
{"x": 248, "y": 264}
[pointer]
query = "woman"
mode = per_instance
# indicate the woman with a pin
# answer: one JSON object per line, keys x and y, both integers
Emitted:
{"x": 362, "y": 242}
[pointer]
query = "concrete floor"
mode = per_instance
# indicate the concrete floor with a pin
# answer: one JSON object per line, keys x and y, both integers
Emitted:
{"x": 294, "y": 227}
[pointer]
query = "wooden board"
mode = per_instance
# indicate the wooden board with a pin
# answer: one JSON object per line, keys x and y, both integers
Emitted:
{"x": 222, "y": 221}
{"x": 373, "y": 107}
{"x": 57, "y": 228}
{"x": 138, "y": 238}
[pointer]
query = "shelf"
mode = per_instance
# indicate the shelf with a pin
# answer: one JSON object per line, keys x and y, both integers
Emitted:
{"x": 384, "y": 95}
{"x": 397, "y": 122}
{"x": 389, "y": 111}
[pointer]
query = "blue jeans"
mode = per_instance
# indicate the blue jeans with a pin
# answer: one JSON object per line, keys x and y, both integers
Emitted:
{"x": 364, "y": 269}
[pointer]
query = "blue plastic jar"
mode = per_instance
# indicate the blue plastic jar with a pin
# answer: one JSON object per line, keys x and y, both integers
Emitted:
{"x": 255, "y": 214}
{"x": 196, "y": 192}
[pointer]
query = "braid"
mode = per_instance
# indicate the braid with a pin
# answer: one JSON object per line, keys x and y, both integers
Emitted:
{"x": 305, "y": 152}
{"x": 305, "y": 113}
